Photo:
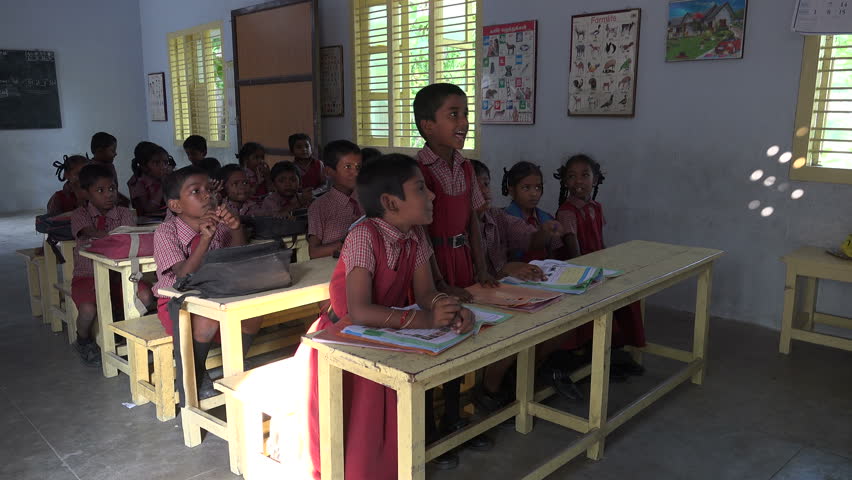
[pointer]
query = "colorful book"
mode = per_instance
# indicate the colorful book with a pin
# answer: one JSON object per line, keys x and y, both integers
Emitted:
{"x": 563, "y": 277}
{"x": 514, "y": 297}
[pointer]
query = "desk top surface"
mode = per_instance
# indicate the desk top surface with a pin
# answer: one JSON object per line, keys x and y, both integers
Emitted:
{"x": 645, "y": 264}
{"x": 308, "y": 275}
{"x": 816, "y": 255}
{"x": 112, "y": 262}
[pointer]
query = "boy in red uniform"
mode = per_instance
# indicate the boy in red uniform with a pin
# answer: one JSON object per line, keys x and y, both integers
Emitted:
{"x": 331, "y": 215}
{"x": 104, "y": 147}
{"x": 440, "y": 112}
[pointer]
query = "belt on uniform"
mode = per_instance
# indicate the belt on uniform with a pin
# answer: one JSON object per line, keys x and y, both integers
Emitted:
{"x": 456, "y": 241}
{"x": 332, "y": 316}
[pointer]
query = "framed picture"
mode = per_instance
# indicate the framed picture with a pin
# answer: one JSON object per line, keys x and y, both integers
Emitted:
{"x": 508, "y": 73}
{"x": 702, "y": 30}
{"x": 604, "y": 61}
{"x": 157, "y": 97}
{"x": 331, "y": 81}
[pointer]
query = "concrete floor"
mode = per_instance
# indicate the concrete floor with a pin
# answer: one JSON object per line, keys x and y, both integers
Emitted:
{"x": 760, "y": 415}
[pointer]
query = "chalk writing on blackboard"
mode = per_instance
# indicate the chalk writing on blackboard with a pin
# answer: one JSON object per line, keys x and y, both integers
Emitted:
{"x": 29, "y": 93}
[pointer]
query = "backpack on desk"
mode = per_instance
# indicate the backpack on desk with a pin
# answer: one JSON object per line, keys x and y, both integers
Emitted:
{"x": 130, "y": 243}
{"x": 57, "y": 228}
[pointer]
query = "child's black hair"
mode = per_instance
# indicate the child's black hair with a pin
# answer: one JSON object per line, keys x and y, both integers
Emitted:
{"x": 283, "y": 167}
{"x": 560, "y": 175}
{"x": 429, "y": 99}
{"x": 295, "y": 138}
{"x": 333, "y": 151}
{"x": 224, "y": 173}
{"x": 195, "y": 142}
{"x": 92, "y": 172}
{"x": 384, "y": 175}
{"x": 142, "y": 154}
{"x": 175, "y": 180}
{"x": 210, "y": 164}
{"x": 67, "y": 163}
{"x": 480, "y": 168}
{"x": 102, "y": 140}
{"x": 518, "y": 172}
{"x": 248, "y": 150}
{"x": 369, "y": 154}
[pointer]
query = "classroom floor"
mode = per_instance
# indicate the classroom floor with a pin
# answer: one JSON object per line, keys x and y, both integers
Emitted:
{"x": 760, "y": 415}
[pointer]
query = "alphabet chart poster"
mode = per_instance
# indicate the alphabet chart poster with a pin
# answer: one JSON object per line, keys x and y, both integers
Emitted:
{"x": 604, "y": 55}
{"x": 508, "y": 73}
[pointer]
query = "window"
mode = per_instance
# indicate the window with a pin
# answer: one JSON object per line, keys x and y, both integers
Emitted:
{"x": 822, "y": 145}
{"x": 402, "y": 46}
{"x": 198, "y": 84}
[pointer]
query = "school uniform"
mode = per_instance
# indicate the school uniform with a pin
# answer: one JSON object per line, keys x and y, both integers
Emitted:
{"x": 535, "y": 220}
{"x": 83, "y": 282}
{"x": 454, "y": 193}
{"x": 502, "y": 233}
{"x": 258, "y": 187}
{"x": 370, "y": 424}
{"x": 331, "y": 215}
{"x": 174, "y": 241}
{"x": 62, "y": 201}
{"x": 586, "y": 221}
{"x": 144, "y": 192}
{"x": 248, "y": 208}
{"x": 313, "y": 176}
{"x": 274, "y": 203}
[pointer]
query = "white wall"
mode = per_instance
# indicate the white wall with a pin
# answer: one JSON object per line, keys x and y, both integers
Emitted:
{"x": 101, "y": 87}
{"x": 160, "y": 17}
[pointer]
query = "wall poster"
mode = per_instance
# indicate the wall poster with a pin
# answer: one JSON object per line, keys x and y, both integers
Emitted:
{"x": 508, "y": 73}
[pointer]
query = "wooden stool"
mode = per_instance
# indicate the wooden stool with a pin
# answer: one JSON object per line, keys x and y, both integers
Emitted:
{"x": 34, "y": 259}
{"x": 157, "y": 385}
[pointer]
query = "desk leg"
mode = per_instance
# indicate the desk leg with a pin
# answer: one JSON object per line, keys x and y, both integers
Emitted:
{"x": 636, "y": 353}
{"x": 104, "y": 307}
{"x": 52, "y": 294}
{"x": 411, "y": 425}
{"x": 34, "y": 282}
{"x": 789, "y": 310}
{"x": 45, "y": 291}
{"x": 524, "y": 389}
{"x": 232, "y": 364}
{"x": 702, "y": 322}
{"x": 331, "y": 419}
{"x": 128, "y": 295}
{"x": 599, "y": 394}
{"x": 191, "y": 431}
{"x": 809, "y": 299}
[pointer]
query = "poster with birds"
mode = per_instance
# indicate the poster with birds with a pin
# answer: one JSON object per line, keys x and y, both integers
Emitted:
{"x": 604, "y": 57}
{"x": 508, "y": 73}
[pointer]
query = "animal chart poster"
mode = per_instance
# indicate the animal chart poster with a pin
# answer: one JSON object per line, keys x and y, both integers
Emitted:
{"x": 604, "y": 61}
{"x": 508, "y": 73}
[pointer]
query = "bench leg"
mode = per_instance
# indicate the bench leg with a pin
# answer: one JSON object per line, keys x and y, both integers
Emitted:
{"x": 599, "y": 394}
{"x": 789, "y": 310}
{"x": 137, "y": 360}
{"x": 164, "y": 382}
{"x": 702, "y": 322}
{"x": 34, "y": 287}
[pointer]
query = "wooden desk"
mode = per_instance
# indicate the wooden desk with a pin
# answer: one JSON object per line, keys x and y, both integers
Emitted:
{"x": 310, "y": 286}
{"x": 111, "y": 358}
{"x": 34, "y": 259}
{"x": 812, "y": 263}
{"x": 649, "y": 267}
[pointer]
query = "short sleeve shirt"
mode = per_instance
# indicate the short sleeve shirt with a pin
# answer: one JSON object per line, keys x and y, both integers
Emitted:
{"x": 87, "y": 216}
{"x": 452, "y": 179}
{"x": 172, "y": 245}
{"x": 331, "y": 215}
{"x": 358, "y": 248}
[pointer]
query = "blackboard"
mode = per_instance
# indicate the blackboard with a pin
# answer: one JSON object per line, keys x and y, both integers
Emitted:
{"x": 29, "y": 96}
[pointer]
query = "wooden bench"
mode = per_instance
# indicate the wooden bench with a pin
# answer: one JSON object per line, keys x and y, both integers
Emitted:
{"x": 148, "y": 384}
{"x": 812, "y": 263}
{"x": 34, "y": 259}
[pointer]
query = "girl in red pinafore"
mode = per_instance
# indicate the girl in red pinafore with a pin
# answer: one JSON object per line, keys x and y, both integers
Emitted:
{"x": 311, "y": 170}
{"x": 384, "y": 262}
{"x": 68, "y": 171}
{"x": 582, "y": 219}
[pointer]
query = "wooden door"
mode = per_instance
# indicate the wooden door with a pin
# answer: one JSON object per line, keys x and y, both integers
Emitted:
{"x": 275, "y": 59}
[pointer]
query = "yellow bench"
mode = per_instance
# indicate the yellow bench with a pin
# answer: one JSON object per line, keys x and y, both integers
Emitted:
{"x": 34, "y": 259}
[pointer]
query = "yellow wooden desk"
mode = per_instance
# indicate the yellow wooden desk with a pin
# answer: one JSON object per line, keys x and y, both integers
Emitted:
{"x": 111, "y": 358}
{"x": 813, "y": 263}
{"x": 649, "y": 267}
{"x": 59, "y": 292}
{"x": 34, "y": 259}
{"x": 310, "y": 286}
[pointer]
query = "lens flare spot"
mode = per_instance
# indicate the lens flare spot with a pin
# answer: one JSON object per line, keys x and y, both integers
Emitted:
{"x": 797, "y": 194}
{"x": 799, "y": 162}
{"x": 756, "y": 175}
{"x": 767, "y": 212}
{"x": 754, "y": 204}
{"x": 773, "y": 150}
{"x": 783, "y": 187}
{"x": 802, "y": 131}
{"x": 769, "y": 181}
{"x": 785, "y": 157}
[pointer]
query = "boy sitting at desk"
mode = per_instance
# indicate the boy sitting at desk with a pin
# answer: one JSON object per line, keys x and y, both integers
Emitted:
{"x": 179, "y": 247}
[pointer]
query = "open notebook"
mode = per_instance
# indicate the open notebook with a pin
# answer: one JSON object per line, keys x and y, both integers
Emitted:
{"x": 566, "y": 277}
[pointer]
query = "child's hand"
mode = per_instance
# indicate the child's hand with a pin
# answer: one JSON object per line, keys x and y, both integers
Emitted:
{"x": 305, "y": 196}
{"x": 486, "y": 280}
{"x": 214, "y": 186}
{"x": 262, "y": 171}
{"x": 207, "y": 228}
{"x": 525, "y": 271}
{"x": 228, "y": 218}
{"x": 444, "y": 311}
{"x": 552, "y": 227}
{"x": 464, "y": 321}
{"x": 457, "y": 292}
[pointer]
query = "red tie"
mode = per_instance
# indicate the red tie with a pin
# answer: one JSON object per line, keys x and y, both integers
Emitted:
{"x": 100, "y": 225}
{"x": 356, "y": 209}
{"x": 194, "y": 243}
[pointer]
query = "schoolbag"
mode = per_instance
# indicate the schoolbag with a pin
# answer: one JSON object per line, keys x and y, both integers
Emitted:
{"x": 127, "y": 242}
{"x": 57, "y": 228}
{"x": 275, "y": 227}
